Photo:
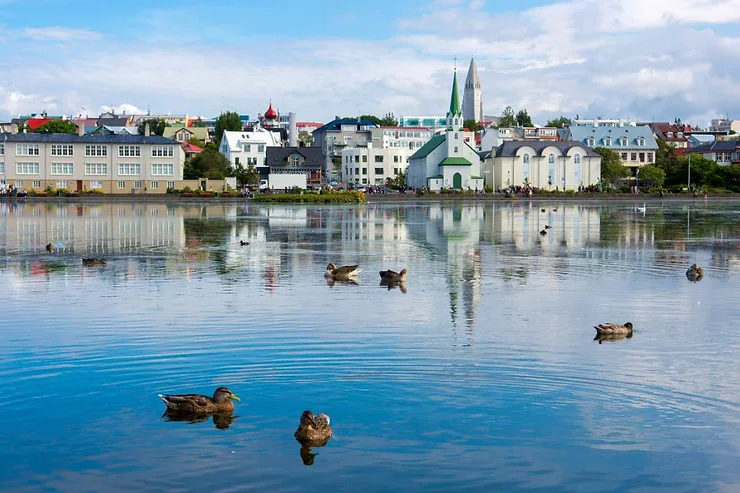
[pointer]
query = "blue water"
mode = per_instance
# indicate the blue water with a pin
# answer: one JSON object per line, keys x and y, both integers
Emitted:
{"x": 483, "y": 375}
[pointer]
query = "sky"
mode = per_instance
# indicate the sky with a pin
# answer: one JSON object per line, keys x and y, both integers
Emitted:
{"x": 646, "y": 60}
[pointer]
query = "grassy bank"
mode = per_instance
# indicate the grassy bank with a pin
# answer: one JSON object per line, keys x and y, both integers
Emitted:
{"x": 312, "y": 198}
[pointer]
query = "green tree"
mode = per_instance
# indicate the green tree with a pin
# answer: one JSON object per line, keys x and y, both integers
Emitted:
{"x": 651, "y": 175}
{"x": 371, "y": 118}
{"x": 304, "y": 139}
{"x": 156, "y": 126}
{"x": 389, "y": 120}
{"x": 398, "y": 182}
{"x": 611, "y": 166}
{"x": 559, "y": 122}
{"x": 199, "y": 123}
{"x": 250, "y": 175}
{"x": 508, "y": 119}
{"x": 56, "y": 127}
{"x": 228, "y": 121}
{"x": 209, "y": 164}
{"x": 523, "y": 119}
{"x": 471, "y": 125}
{"x": 197, "y": 142}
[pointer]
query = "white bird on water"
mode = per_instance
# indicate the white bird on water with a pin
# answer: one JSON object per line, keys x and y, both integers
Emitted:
{"x": 642, "y": 209}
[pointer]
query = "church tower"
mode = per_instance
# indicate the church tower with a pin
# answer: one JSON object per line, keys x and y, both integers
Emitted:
{"x": 473, "y": 100}
{"x": 455, "y": 132}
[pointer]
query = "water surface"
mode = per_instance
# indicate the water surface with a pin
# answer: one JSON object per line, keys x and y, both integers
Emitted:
{"x": 483, "y": 375}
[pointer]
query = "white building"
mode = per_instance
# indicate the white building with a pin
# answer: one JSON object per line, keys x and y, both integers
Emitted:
{"x": 373, "y": 166}
{"x": 247, "y": 147}
{"x": 543, "y": 164}
{"x": 400, "y": 137}
{"x": 447, "y": 160}
{"x": 725, "y": 125}
{"x": 473, "y": 95}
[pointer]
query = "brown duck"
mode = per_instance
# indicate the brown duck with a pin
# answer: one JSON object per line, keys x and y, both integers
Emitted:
{"x": 392, "y": 276}
{"x": 345, "y": 272}
{"x": 201, "y": 404}
{"x": 313, "y": 430}
{"x": 695, "y": 273}
{"x": 614, "y": 329}
{"x": 94, "y": 261}
{"x": 50, "y": 248}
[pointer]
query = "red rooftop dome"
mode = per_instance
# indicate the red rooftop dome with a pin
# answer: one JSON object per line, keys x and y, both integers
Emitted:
{"x": 271, "y": 114}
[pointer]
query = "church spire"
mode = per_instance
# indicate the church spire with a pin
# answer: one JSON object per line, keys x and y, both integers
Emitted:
{"x": 455, "y": 98}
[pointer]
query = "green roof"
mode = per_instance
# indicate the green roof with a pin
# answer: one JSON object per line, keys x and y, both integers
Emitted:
{"x": 455, "y": 98}
{"x": 436, "y": 177}
{"x": 427, "y": 148}
{"x": 455, "y": 161}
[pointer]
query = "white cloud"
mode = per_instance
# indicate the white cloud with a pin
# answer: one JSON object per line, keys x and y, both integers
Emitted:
{"x": 60, "y": 34}
{"x": 121, "y": 109}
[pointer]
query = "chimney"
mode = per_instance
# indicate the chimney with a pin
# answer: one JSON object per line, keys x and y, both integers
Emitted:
{"x": 292, "y": 130}
{"x": 147, "y": 132}
{"x": 81, "y": 129}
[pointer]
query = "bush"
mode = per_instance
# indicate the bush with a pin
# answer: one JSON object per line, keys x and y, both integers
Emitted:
{"x": 488, "y": 189}
{"x": 306, "y": 198}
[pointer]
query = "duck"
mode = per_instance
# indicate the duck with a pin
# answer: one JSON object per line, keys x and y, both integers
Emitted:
{"x": 313, "y": 429}
{"x": 94, "y": 261}
{"x": 50, "y": 248}
{"x": 243, "y": 243}
{"x": 392, "y": 276}
{"x": 222, "y": 401}
{"x": 643, "y": 208}
{"x": 543, "y": 210}
{"x": 543, "y": 232}
{"x": 547, "y": 227}
{"x": 695, "y": 273}
{"x": 555, "y": 209}
{"x": 610, "y": 328}
{"x": 345, "y": 272}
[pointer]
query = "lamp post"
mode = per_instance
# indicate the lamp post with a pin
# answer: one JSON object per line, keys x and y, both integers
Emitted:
{"x": 689, "y": 172}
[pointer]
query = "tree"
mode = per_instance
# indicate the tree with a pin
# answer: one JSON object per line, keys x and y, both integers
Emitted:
{"x": 56, "y": 127}
{"x": 196, "y": 142}
{"x": 611, "y": 166}
{"x": 523, "y": 119}
{"x": 199, "y": 123}
{"x": 228, "y": 121}
{"x": 559, "y": 122}
{"x": 651, "y": 175}
{"x": 398, "y": 182}
{"x": 156, "y": 126}
{"x": 304, "y": 139}
{"x": 471, "y": 125}
{"x": 507, "y": 118}
{"x": 209, "y": 164}
{"x": 250, "y": 175}
{"x": 371, "y": 118}
{"x": 389, "y": 120}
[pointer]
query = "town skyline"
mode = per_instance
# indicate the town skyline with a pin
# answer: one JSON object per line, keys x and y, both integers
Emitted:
{"x": 575, "y": 57}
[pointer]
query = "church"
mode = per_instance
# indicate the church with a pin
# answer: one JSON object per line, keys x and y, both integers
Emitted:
{"x": 447, "y": 161}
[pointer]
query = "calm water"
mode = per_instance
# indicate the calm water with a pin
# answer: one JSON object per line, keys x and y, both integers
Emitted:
{"x": 483, "y": 376}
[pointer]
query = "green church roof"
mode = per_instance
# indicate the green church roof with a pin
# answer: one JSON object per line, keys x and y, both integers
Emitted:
{"x": 455, "y": 108}
{"x": 427, "y": 148}
{"x": 455, "y": 161}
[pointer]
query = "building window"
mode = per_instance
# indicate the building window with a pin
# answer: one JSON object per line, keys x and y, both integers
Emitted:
{"x": 170, "y": 184}
{"x": 2, "y": 168}
{"x": 378, "y": 171}
{"x": 455, "y": 150}
{"x": 99, "y": 169}
{"x": 26, "y": 149}
{"x": 650, "y": 157}
{"x": 395, "y": 171}
{"x": 624, "y": 156}
{"x": 129, "y": 169}
{"x": 395, "y": 159}
{"x": 129, "y": 151}
{"x": 364, "y": 181}
{"x": 96, "y": 184}
{"x": 183, "y": 136}
{"x": 364, "y": 171}
{"x": 357, "y": 171}
{"x": 62, "y": 168}
{"x": 642, "y": 157}
{"x": 347, "y": 171}
{"x": 138, "y": 184}
{"x": 608, "y": 141}
{"x": 577, "y": 168}
{"x": 261, "y": 148}
{"x": 121, "y": 184}
{"x": 19, "y": 183}
{"x": 633, "y": 156}
{"x": 525, "y": 159}
{"x": 295, "y": 160}
{"x": 642, "y": 141}
{"x": 62, "y": 184}
{"x": 2, "y": 149}
{"x": 236, "y": 161}
{"x": 27, "y": 168}
{"x": 357, "y": 158}
{"x": 624, "y": 141}
{"x": 62, "y": 149}
{"x": 155, "y": 184}
{"x": 36, "y": 183}
{"x": 162, "y": 151}
{"x": 378, "y": 158}
{"x": 162, "y": 169}
{"x": 591, "y": 141}
{"x": 551, "y": 169}
{"x": 247, "y": 147}
{"x": 364, "y": 159}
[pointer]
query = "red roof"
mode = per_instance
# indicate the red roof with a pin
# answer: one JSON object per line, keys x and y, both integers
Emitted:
{"x": 34, "y": 123}
{"x": 271, "y": 114}
{"x": 190, "y": 148}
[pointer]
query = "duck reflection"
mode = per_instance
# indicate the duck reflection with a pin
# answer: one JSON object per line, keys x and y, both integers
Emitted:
{"x": 221, "y": 420}
{"x": 306, "y": 452}
{"x": 340, "y": 282}
{"x": 602, "y": 338}
{"x": 393, "y": 285}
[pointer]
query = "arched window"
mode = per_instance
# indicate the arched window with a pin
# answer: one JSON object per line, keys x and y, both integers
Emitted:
{"x": 624, "y": 141}
{"x": 642, "y": 141}
{"x": 525, "y": 160}
{"x": 591, "y": 141}
{"x": 577, "y": 168}
{"x": 455, "y": 135}
{"x": 455, "y": 150}
{"x": 608, "y": 141}
{"x": 551, "y": 169}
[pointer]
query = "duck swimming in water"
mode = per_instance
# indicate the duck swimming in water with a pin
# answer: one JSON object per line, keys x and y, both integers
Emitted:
{"x": 614, "y": 329}
{"x": 695, "y": 273}
{"x": 393, "y": 276}
{"x": 243, "y": 243}
{"x": 313, "y": 430}
{"x": 50, "y": 248}
{"x": 201, "y": 404}
{"x": 94, "y": 261}
{"x": 343, "y": 273}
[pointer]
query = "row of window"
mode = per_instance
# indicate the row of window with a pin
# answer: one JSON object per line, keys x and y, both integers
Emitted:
{"x": 635, "y": 156}
{"x": 91, "y": 150}
{"x": 622, "y": 141}
{"x": 551, "y": 159}
{"x": 378, "y": 171}
{"x": 96, "y": 184}
{"x": 93, "y": 169}
{"x": 248, "y": 147}
{"x": 551, "y": 171}
{"x": 378, "y": 159}
{"x": 397, "y": 134}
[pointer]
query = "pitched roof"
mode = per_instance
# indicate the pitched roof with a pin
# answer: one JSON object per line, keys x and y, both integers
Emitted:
{"x": 427, "y": 148}
{"x": 581, "y": 133}
{"x": 455, "y": 161}
{"x": 314, "y": 156}
{"x": 197, "y": 132}
{"x": 86, "y": 139}
{"x": 455, "y": 108}
{"x": 510, "y": 148}
{"x": 336, "y": 125}
{"x": 717, "y": 146}
{"x": 190, "y": 148}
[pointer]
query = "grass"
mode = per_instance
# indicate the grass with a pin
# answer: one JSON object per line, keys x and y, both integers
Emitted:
{"x": 312, "y": 198}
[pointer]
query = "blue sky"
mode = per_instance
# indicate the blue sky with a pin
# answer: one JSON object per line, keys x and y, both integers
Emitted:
{"x": 640, "y": 59}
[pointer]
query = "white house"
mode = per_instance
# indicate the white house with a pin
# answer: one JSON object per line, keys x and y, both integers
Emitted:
{"x": 373, "y": 166}
{"x": 447, "y": 160}
{"x": 247, "y": 147}
{"x": 545, "y": 165}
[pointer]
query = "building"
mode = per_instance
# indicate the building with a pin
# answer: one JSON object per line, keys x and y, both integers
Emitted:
{"x": 339, "y": 134}
{"x": 473, "y": 96}
{"x": 493, "y": 137}
{"x": 635, "y": 144}
{"x": 249, "y": 146}
{"x": 543, "y": 164}
{"x": 190, "y": 150}
{"x": 670, "y": 133}
{"x": 373, "y": 165}
{"x": 401, "y": 137}
{"x": 109, "y": 163}
{"x": 307, "y": 161}
{"x": 721, "y": 152}
{"x": 447, "y": 160}
{"x": 183, "y": 134}
{"x": 432, "y": 122}
{"x": 725, "y": 125}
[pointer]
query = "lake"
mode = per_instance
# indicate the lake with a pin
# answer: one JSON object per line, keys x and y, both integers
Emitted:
{"x": 481, "y": 374}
